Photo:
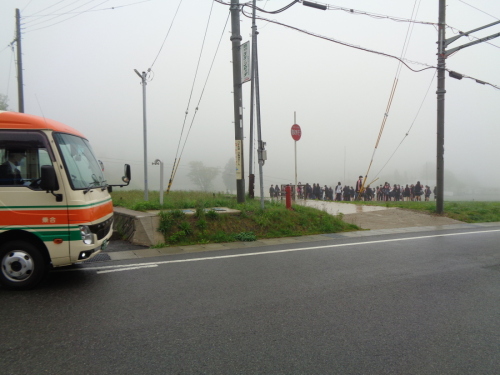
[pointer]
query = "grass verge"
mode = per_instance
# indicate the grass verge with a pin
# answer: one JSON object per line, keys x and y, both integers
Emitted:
{"x": 209, "y": 227}
{"x": 466, "y": 211}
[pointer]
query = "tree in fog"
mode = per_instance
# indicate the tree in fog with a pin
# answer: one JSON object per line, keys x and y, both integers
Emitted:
{"x": 3, "y": 102}
{"x": 201, "y": 175}
{"x": 229, "y": 176}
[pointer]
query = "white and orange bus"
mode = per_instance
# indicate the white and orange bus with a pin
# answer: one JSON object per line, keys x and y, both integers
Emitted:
{"x": 55, "y": 206}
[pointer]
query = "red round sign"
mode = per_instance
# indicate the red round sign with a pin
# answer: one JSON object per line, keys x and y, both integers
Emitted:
{"x": 296, "y": 132}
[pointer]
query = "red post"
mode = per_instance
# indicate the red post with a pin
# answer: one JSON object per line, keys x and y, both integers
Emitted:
{"x": 288, "y": 192}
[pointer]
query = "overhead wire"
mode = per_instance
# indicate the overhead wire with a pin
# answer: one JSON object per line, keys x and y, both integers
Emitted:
{"x": 205, "y": 85}
{"x": 337, "y": 41}
{"x": 71, "y": 12}
{"x": 411, "y": 126}
{"x": 166, "y": 36}
{"x": 37, "y": 21}
{"x": 406, "y": 42}
{"x": 177, "y": 155}
{"x": 66, "y": 19}
{"x": 44, "y": 9}
{"x": 482, "y": 11}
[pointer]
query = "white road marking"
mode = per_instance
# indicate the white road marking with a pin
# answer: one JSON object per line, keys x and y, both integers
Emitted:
{"x": 127, "y": 267}
{"x": 139, "y": 266}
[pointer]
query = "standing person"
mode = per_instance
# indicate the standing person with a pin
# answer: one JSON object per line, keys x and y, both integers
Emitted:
{"x": 271, "y": 191}
{"x": 418, "y": 191}
{"x": 359, "y": 184}
{"x": 369, "y": 193}
{"x": 308, "y": 191}
{"x": 277, "y": 192}
{"x": 406, "y": 194}
{"x": 338, "y": 192}
{"x": 299, "y": 191}
{"x": 346, "y": 193}
{"x": 427, "y": 193}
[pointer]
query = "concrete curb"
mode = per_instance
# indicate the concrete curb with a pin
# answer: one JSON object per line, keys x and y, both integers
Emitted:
{"x": 147, "y": 253}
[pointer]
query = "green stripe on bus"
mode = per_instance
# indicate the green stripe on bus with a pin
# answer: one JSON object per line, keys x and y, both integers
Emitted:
{"x": 64, "y": 235}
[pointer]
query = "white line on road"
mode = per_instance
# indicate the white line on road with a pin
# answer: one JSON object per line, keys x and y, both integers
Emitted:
{"x": 127, "y": 267}
{"x": 139, "y": 266}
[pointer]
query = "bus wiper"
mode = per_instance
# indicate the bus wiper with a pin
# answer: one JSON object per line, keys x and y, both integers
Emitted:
{"x": 91, "y": 185}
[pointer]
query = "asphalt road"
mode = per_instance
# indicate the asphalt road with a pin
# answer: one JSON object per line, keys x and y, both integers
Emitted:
{"x": 420, "y": 303}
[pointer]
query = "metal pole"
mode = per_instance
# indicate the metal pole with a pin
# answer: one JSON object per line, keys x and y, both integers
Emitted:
{"x": 20, "y": 92}
{"x": 145, "y": 138}
{"x": 238, "y": 108}
{"x": 260, "y": 151}
{"x": 252, "y": 96}
{"x": 441, "y": 64}
{"x": 160, "y": 163}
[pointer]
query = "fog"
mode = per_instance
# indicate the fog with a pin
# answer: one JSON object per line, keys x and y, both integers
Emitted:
{"x": 79, "y": 69}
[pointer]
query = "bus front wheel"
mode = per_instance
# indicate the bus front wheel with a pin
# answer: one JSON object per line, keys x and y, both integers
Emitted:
{"x": 22, "y": 265}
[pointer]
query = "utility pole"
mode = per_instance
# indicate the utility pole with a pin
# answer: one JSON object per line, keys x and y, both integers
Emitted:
{"x": 237, "y": 94}
{"x": 251, "y": 183}
{"x": 441, "y": 66}
{"x": 20, "y": 92}
{"x": 145, "y": 134}
{"x": 442, "y": 55}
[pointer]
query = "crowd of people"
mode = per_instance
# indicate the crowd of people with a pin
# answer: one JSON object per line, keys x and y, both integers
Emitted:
{"x": 385, "y": 192}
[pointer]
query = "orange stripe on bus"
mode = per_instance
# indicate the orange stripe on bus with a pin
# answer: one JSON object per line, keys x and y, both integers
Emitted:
{"x": 51, "y": 217}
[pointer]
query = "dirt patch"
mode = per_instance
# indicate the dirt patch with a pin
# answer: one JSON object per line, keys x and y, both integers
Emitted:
{"x": 396, "y": 218}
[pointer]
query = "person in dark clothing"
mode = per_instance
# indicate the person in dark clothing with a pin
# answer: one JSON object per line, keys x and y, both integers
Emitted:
{"x": 418, "y": 191}
{"x": 9, "y": 174}
{"x": 277, "y": 192}
{"x": 427, "y": 192}
{"x": 359, "y": 184}
{"x": 271, "y": 192}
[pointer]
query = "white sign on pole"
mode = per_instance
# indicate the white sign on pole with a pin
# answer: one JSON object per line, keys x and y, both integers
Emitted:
{"x": 245, "y": 62}
{"x": 238, "y": 156}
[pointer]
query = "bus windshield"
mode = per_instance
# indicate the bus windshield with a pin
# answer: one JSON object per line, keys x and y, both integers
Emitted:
{"x": 83, "y": 169}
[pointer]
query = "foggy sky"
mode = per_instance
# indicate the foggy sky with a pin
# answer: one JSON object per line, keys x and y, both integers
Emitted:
{"x": 80, "y": 72}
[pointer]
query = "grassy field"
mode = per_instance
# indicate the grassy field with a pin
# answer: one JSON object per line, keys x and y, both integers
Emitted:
{"x": 466, "y": 211}
{"x": 208, "y": 226}
{"x": 272, "y": 222}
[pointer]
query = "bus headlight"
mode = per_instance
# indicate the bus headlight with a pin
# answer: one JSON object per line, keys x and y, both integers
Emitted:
{"x": 87, "y": 236}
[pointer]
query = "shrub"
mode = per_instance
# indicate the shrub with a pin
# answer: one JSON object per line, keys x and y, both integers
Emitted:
{"x": 212, "y": 215}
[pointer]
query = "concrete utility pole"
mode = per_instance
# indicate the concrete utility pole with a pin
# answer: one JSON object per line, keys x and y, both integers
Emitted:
{"x": 20, "y": 91}
{"x": 440, "y": 107}
{"x": 145, "y": 133}
{"x": 442, "y": 55}
{"x": 238, "y": 107}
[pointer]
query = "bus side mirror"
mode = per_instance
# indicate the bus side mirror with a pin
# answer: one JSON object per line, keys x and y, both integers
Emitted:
{"x": 126, "y": 178}
{"x": 49, "y": 181}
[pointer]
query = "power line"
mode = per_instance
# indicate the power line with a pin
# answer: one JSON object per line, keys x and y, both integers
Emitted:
{"x": 177, "y": 155}
{"x": 413, "y": 122}
{"x": 204, "y": 86}
{"x": 168, "y": 32}
{"x": 338, "y": 41}
{"x": 78, "y": 14}
{"x": 44, "y": 9}
{"x": 482, "y": 11}
{"x": 92, "y": 9}
{"x": 36, "y": 21}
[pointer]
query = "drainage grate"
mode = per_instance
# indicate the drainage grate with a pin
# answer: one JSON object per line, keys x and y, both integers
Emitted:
{"x": 102, "y": 257}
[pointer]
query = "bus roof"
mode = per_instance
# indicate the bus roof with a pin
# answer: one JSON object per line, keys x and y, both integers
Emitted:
{"x": 16, "y": 120}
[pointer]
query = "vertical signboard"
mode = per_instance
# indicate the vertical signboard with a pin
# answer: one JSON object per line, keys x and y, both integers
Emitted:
{"x": 237, "y": 158}
{"x": 245, "y": 62}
